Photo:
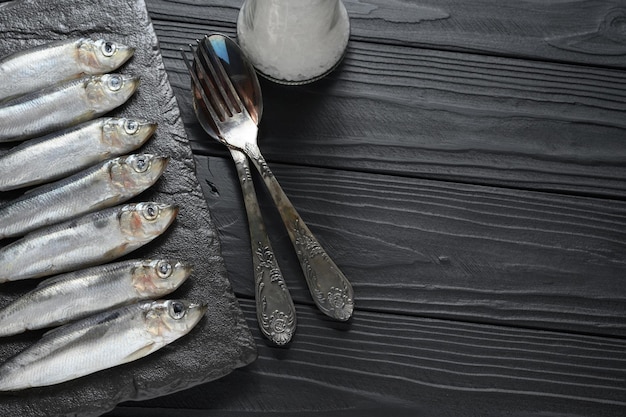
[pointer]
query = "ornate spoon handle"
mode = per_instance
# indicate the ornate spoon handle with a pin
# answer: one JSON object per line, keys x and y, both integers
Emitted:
{"x": 275, "y": 311}
{"x": 329, "y": 287}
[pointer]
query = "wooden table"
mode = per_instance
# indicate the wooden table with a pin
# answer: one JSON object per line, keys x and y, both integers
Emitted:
{"x": 466, "y": 168}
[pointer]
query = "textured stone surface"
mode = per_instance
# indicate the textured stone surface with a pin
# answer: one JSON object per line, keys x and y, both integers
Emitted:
{"x": 222, "y": 340}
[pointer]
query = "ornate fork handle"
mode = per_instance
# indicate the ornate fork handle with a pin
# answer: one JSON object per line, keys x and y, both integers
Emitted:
{"x": 331, "y": 290}
{"x": 276, "y": 313}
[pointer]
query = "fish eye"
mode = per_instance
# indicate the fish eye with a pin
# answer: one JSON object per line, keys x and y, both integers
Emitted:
{"x": 140, "y": 163}
{"x": 108, "y": 48}
{"x": 150, "y": 211}
{"x": 115, "y": 82}
{"x": 177, "y": 310}
{"x": 164, "y": 269}
{"x": 131, "y": 126}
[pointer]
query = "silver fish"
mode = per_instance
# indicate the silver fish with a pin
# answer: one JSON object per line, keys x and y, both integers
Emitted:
{"x": 93, "y": 239}
{"x": 66, "y": 152}
{"x": 98, "y": 342}
{"x": 40, "y": 66}
{"x": 90, "y": 291}
{"x": 63, "y": 105}
{"x": 103, "y": 185}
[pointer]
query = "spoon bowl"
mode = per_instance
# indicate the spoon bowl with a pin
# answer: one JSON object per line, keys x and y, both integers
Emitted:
{"x": 243, "y": 77}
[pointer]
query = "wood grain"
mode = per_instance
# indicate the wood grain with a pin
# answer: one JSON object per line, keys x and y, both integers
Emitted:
{"x": 407, "y": 366}
{"x": 436, "y": 249}
{"x": 466, "y": 168}
{"x": 441, "y": 115}
{"x": 586, "y": 32}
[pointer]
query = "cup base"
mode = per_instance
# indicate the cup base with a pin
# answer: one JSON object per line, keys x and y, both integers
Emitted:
{"x": 302, "y": 81}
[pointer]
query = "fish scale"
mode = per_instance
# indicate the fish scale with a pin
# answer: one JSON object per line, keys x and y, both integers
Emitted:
{"x": 103, "y": 185}
{"x": 77, "y": 294}
{"x": 66, "y": 152}
{"x": 100, "y": 342}
{"x": 16, "y": 116}
{"x": 50, "y": 63}
{"x": 62, "y": 105}
{"x": 94, "y": 238}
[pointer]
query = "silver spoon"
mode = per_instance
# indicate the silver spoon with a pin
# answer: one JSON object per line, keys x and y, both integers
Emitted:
{"x": 276, "y": 314}
{"x": 237, "y": 128}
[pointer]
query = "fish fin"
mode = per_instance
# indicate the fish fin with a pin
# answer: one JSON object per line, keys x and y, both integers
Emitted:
{"x": 117, "y": 251}
{"x": 50, "y": 281}
{"x": 111, "y": 201}
{"x": 50, "y": 333}
{"x": 41, "y": 188}
{"x": 94, "y": 326}
{"x": 140, "y": 353}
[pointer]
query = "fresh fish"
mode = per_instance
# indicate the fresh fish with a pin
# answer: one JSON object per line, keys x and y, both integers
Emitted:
{"x": 90, "y": 291}
{"x": 93, "y": 239}
{"x": 63, "y": 105}
{"x": 41, "y": 66}
{"x": 69, "y": 151}
{"x": 103, "y": 185}
{"x": 100, "y": 342}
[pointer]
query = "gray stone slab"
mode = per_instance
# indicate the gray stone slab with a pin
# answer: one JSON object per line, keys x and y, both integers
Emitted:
{"x": 222, "y": 340}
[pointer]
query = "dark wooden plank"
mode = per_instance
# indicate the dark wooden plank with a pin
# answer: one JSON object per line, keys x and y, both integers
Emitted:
{"x": 437, "y": 249}
{"x": 386, "y": 364}
{"x": 582, "y": 31}
{"x": 463, "y": 94}
{"x": 441, "y": 115}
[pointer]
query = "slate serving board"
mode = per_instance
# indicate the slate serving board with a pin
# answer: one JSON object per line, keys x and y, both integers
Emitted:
{"x": 222, "y": 341}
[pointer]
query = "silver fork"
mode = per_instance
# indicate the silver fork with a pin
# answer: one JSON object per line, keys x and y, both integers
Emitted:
{"x": 330, "y": 289}
{"x": 276, "y": 314}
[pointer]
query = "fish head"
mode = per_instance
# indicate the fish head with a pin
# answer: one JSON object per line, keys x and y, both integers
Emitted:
{"x": 133, "y": 174}
{"x": 154, "y": 278}
{"x": 167, "y": 320}
{"x": 101, "y": 55}
{"x": 146, "y": 220}
{"x": 126, "y": 134}
{"x": 109, "y": 90}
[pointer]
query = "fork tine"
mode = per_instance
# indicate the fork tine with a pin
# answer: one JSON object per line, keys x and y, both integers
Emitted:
{"x": 198, "y": 84}
{"x": 208, "y": 84}
{"x": 212, "y": 82}
{"x": 204, "y": 46}
{"x": 237, "y": 105}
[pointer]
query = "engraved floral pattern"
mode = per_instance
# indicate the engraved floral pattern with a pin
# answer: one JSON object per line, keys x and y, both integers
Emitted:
{"x": 252, "y": 152}
{"x": 336, "y": 302}
{"x": 268, "y": 263}
{"x": 339, "y": 301}
{"x": 245, "y": 169}
{"x": 280, "y": 327}
{"x": 306, "y": 242}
